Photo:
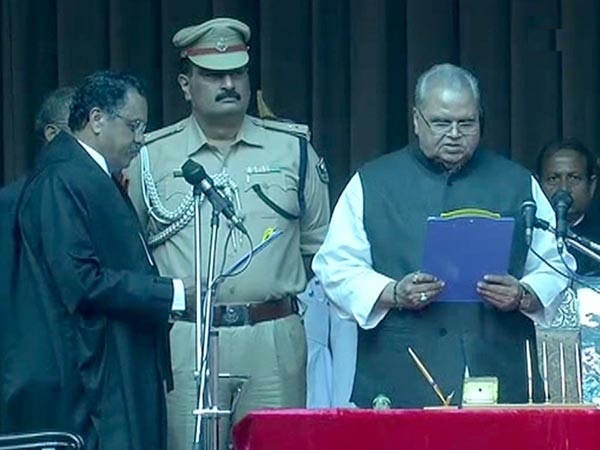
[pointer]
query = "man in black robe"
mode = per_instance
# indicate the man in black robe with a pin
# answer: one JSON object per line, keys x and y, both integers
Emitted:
{"x": 84, "y": 338}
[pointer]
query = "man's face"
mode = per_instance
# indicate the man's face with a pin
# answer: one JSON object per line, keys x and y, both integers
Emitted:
{"x": 216, "y": 94}
{"x": 123, "y": 133}
{"x": 567, "y": 169}
{"x": 447, "y": 125}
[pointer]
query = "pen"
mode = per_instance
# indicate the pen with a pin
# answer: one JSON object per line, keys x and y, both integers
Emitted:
{"x": 428, "y": 377}
{"x": 529, "y": 371}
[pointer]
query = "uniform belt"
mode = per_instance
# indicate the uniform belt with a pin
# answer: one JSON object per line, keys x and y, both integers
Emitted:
{"x": 240, "y": 315}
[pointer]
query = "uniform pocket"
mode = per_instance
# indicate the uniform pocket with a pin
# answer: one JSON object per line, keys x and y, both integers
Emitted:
{"x": 278, "y": 188}
{"x": 290, "y": 345}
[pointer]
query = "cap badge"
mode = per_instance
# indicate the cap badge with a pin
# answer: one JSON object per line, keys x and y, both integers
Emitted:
{"x": 221, "y": 45}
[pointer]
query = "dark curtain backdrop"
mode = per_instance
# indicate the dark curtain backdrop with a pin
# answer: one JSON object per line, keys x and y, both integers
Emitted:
{"x": 345, "y": 67}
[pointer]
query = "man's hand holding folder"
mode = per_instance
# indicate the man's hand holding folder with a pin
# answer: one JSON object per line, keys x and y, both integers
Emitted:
{"x": 506, "y": 293}
{"x": 413, "y": 292}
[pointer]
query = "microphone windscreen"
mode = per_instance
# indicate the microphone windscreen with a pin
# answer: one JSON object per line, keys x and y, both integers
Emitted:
{"x": 562, "y": 197}
{"x": 528, "y": 205}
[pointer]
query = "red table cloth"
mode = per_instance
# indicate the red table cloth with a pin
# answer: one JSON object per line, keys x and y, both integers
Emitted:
{"x": 482, "y": 429}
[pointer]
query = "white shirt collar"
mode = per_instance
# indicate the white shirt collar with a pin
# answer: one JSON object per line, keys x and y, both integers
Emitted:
{"x": 96, "y": 157}
{"x": 578, "y": 221}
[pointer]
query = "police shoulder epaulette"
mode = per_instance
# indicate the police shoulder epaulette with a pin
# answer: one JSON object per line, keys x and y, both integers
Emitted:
{"x": 155, "y": 135}
{"x": 296, "y": 129}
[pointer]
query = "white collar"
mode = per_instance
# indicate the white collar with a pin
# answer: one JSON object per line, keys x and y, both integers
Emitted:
{"x": 96, "y": 156}
{"x": 578, "y": 221}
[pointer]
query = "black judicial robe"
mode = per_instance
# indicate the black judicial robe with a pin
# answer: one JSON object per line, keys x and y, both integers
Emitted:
{"x": 589, "y": 228}
{"x": 8, "y": 202}
{"x": 84, "y": 331}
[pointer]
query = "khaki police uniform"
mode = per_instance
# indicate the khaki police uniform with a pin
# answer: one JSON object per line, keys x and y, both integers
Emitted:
{"x": 272, "y": 353}
{"x": 260, "y": 168}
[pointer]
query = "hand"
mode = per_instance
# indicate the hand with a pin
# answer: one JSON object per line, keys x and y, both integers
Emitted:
{"x": 414, "y": 292}
{"x": 504, "y": 292}
{"x": 190, "y": 299}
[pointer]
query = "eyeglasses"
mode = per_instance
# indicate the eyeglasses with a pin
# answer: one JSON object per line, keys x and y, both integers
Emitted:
{"x": 137, "y": 126}
{"x": 572, "y": 180}
{"x": 441, "y": 126}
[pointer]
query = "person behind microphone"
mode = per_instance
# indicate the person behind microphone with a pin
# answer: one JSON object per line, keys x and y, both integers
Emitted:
{"x": 275, "y": 180}
{"x": 570, "y": 166}
{"x": 370, "y": 260}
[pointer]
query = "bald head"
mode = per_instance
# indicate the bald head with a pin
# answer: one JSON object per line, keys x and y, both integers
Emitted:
{"x": 53, "y": 115}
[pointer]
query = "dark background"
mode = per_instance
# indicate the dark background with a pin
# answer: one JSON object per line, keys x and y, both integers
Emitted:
{"x": 345, "y": 67}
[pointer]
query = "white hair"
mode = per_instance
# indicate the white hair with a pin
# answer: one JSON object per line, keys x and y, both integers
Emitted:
{"x": 448, "y": 74}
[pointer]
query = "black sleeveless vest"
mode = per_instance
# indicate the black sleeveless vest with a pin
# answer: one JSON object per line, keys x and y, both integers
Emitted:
{"x": 401, "y": 190}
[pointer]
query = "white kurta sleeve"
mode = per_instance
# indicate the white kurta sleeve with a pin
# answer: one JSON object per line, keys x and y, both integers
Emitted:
{"x": 543, "y": 279}
{"x": 344, "y": 264}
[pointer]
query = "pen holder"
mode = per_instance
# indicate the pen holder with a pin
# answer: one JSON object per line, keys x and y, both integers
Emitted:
{"x": 478, "y": 391}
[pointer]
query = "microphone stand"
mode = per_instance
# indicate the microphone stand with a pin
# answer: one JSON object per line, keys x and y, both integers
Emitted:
{"x": 575, "y": 241}
{"x": 207, "y": 412}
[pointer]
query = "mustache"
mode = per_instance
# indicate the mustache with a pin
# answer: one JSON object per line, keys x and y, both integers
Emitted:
{"x": 229, "y": 93}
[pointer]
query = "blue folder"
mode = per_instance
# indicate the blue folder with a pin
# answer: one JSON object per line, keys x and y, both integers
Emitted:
{"x": 461, "y": 250}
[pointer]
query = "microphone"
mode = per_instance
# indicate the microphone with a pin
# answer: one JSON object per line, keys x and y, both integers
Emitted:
{"x": 195, "y": 175}
{"x": 528, "y": 210}
{"x": 561, "y": 202}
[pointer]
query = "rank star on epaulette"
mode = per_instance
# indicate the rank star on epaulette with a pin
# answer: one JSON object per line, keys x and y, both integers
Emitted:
{"x": 322, "y": 171}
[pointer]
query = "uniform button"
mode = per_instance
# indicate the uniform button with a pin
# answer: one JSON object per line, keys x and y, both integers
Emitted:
{"x": 232, "y": 290}
{"x": 443, "y": 332}
{"x": 311, "y": 293}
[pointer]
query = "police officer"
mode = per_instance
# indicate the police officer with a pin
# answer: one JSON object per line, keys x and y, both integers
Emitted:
{"x": 276, "y": 183}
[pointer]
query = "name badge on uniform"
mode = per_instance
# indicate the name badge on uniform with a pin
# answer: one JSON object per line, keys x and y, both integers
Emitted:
{"x": 260, "y": 170}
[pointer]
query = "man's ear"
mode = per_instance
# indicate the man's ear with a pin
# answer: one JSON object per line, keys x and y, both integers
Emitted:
{"x": 593, "y": 180}
{"x": 50, "y": 132}
{"x": 96, "y": 119}
{"x": 184, "y": 84}
{"x": 415, "y": 121}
